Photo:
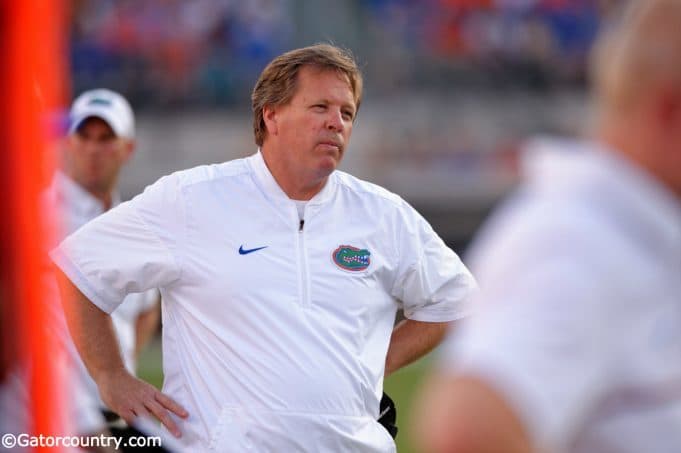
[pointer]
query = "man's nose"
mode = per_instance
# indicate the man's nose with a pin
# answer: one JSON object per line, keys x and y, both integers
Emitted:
{"x": 93, "y": 146}
{"x": 334, "y": 120}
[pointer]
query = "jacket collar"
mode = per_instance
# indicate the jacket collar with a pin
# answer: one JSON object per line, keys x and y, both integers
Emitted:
{"x": 656, "y": 205}
{"x": 614, "y": 180}
{"x": 275, "y": 192}
{"x": 79, "y": 199}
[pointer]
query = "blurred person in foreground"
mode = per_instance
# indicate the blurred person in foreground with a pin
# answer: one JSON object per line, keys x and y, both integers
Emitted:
{"x": 281, "y": 278}
{"x": 577, "y": 343}
{"x": 100, "y": 141}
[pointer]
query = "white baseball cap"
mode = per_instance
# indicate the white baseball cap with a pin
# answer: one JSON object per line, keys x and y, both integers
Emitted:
{"x": 107, "y": 105}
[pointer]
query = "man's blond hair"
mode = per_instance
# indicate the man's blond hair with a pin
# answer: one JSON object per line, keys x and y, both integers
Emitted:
{"x": 639, "y": 50}
{"x": 277, "y": 83}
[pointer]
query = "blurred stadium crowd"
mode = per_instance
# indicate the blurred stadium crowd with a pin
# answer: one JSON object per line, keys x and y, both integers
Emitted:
{"x": 454, "y": 87}
{"x": 182, "y": 53}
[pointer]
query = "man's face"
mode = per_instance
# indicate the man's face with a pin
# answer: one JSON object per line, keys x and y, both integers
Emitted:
{"x": 310, "y": 133}
{"x": 94, "y": 155}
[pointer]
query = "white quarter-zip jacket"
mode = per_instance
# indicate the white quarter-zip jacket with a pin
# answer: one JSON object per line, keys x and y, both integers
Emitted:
{"x": 580, "y": 306}
{"x": 275, "y": 328}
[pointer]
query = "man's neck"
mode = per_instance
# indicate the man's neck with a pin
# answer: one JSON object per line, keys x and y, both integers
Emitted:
{"x": 103, "y": 196}
{"x": 632, "y": 139}
{"x": 303, "y": 193}
{"x": 296, "y": 187}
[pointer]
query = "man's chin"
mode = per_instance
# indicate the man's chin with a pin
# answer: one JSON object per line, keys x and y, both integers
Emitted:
{"x": 98, "y": 186}
{"x": 327, "y": 166}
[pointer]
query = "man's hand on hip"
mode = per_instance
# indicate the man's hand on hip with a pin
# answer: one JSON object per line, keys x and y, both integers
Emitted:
{"x": 130, "y": 398}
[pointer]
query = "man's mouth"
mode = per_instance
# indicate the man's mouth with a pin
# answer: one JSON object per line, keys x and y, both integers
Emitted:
{"x": 331, "y": 144}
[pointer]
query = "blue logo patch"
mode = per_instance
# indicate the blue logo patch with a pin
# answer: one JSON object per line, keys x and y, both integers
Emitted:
{"x": 99, "y": 101}
{"x": 243, "y": 251}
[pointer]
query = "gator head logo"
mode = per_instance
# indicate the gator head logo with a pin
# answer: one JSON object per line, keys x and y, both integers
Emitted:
{"x": 351, "y": 258}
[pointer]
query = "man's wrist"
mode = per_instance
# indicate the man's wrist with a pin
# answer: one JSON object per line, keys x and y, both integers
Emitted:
{"x": 109, "y": 374}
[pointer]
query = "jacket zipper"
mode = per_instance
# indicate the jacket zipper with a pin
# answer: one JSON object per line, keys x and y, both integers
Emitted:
{"x": 303, "y": 274}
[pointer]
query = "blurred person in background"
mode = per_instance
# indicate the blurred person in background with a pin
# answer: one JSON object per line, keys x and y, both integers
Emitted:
{"x": 576, "y": 346}
{"x": 281, "y": 279}
{"x": 100, "y": 141}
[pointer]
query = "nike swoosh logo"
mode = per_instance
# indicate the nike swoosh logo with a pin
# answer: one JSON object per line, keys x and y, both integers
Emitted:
{"x": 243, "y": 251}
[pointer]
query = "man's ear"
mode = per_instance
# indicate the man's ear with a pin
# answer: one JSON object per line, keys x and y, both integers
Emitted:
{"x": 668, "y": 109}
{"x": 129, "y": 149}
{"x": 68, "y": 142}
{"x": 269, "y": 115}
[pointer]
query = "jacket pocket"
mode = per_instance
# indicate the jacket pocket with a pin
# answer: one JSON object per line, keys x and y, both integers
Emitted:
{"x": 228, "y": 433}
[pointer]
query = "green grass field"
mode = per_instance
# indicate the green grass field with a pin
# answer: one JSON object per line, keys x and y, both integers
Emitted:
{"x": 401, "y": 386}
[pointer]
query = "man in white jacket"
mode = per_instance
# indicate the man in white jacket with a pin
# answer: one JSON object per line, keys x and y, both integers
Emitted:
{"x": 577, "y": 342}
{"x": 280, "y": 276}
{"x": 100, "y": 141}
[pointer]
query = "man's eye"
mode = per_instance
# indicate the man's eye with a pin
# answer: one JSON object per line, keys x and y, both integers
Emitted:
{"x": 319, "y": 107}
{"x": 348, "y": 116}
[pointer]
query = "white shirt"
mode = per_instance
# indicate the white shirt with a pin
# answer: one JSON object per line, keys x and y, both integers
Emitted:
{"x": 74, "y": 207}
{"x": 580, "y": 310}
{"x": 274, "y": 337}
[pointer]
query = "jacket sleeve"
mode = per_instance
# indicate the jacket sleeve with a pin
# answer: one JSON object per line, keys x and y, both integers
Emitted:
{"x": 432, "y": 283}
{"x": 130, "y": 249}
